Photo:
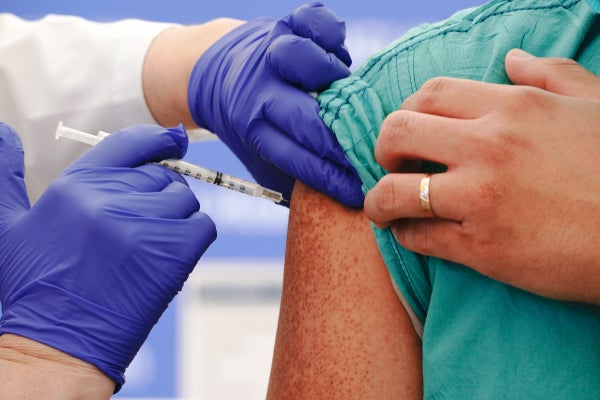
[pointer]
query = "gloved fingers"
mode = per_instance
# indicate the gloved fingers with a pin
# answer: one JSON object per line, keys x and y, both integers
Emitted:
{"x": 179, "y": 242}
{"x": 145, "y": 178}
{"x": 202, "y": 232}
{"x": 164, "y": 253}
{"x": 302, "y": 62}
{"x": 168, "y": 250}
{"x": 322, "y": 174}
{"x": 296, "y": 115}
{"x": 157, "y": 177}
{"x": 11, "y": 150}
{"x": 318, "y": 23}
{"x": 13, "y": 193}
{"x": 134, "y": 146}
{"x": 175, "y": 201}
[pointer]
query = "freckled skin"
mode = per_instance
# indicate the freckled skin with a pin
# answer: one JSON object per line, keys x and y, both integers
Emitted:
{"x": 342, "y": 332}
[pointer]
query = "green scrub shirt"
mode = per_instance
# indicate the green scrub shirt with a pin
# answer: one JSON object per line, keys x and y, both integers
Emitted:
{"x": 481, "y": 339}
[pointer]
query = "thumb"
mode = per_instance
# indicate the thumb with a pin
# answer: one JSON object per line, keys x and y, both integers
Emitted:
{"x": 13, "y": 193}
{"x": 302, "y": 62}
{"x": 317, "y": 22}
{"x": 558, "y": 75}
{"x": 134, "y": 146}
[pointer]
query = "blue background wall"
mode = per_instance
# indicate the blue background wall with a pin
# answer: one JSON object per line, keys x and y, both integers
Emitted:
{"x": 248, "y": 228}
{"x": 186, "y": 11}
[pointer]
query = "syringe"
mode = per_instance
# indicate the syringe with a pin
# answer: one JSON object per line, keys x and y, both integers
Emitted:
{"x": 185, "y": 168}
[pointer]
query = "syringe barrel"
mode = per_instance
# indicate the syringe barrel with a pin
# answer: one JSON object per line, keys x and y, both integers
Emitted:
{"x": 185, "y": 168}
{"x": 214, "y": 177}
{"x": 194, "y": 171}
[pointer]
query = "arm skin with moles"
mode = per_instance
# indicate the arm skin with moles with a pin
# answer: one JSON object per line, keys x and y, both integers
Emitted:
{"x": 342, "y": 333}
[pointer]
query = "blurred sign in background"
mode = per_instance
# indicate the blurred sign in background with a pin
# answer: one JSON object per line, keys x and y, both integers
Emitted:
{"x": 216, "y": 340}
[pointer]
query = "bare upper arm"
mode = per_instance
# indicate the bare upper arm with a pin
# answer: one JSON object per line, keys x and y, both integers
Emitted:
{"x": 342, "y": 332}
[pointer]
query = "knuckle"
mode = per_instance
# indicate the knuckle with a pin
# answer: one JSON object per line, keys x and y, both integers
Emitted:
{"x": 524, "y": 99}
{"x": 434, "y": 85}
{"x": 509, "y": 148}
{"x": 426, "y": 97}
{"x": 505, "y": 136}
{"x": 395, "y": 127}
{"x": 488, "y": 231}
{"x": 488, "y": 194}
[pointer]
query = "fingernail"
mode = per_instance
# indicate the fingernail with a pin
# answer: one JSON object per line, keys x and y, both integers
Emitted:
{"x": 519, "y": 53}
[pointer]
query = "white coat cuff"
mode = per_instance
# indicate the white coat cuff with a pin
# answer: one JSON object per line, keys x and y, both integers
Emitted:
{"x": 127, "y": 91}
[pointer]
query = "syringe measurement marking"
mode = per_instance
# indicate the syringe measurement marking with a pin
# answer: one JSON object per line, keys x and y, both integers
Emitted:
{"x": 231, "y": 183}
{"x": 219, "y": 178}
{"x": 194, "y": 174}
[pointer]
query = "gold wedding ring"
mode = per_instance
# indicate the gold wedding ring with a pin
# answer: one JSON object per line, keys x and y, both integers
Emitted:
{"x": 424, "y": 196}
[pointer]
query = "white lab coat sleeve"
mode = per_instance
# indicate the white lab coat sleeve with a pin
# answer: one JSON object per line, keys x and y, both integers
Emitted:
{"x": 87, "y": 74}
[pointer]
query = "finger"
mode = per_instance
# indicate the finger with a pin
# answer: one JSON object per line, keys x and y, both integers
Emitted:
{"x": 136, "y": 145}
{"x": 397, "y": 196}
{"x": 320, "y": 24}
{"x": 433, "y": 237}
{"x": 453, "y": 97}
{"x": 159, "y": 177}
{"x": 176, "y": 242}
{"x": 176, "y": 201}
{"x": 557, "y": 75}
{"x": 13, "y": 197}
{"x": 145, "y": 178}
{"x": 202, "y": 232}
{"x": 303, "y": 63}
{"x": 296, "y": 115}
{"x": 407, "y": 135}
{"x": 186, "y": 239}
{"x": 320, "y": 173}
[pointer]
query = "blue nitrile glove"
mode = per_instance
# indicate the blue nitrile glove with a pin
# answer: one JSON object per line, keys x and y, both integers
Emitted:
{"x": 250, "y": 87}
{"x": 90, "y": 268}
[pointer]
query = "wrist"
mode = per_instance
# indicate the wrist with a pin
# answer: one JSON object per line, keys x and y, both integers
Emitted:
{"x": 168, "y": 65}
{"x": 109, "y": 341}
{"x": 32, "y": 370}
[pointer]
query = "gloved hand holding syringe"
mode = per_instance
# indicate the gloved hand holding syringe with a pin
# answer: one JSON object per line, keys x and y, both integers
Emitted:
{"x": 185, "y": 168}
